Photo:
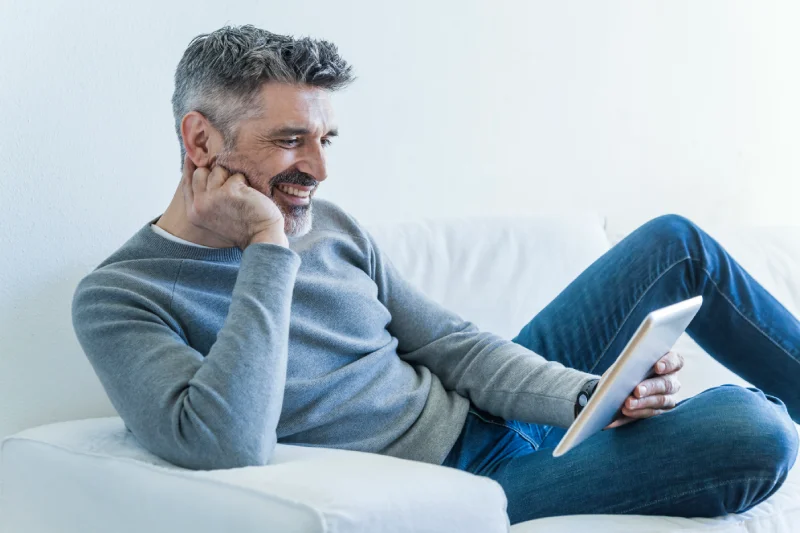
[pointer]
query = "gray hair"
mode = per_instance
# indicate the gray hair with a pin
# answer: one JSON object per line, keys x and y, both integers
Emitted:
{"x": 221, "y": 73}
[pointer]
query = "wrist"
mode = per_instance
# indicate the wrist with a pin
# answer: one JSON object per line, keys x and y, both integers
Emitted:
{"x": 584, "y": 395}
{"x": 270, "y": 237}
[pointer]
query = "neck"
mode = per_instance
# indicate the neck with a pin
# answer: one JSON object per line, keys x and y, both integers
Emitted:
{"x": 174, "y": 221}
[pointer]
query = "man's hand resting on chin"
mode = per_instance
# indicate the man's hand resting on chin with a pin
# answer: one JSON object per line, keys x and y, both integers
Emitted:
{"x": 654, "y": 395}
{"x": 224, "y": 204}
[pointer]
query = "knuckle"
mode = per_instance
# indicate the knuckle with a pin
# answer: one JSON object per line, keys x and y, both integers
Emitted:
{"x": 218, "y": 173}
{"x": 192, "y": 215}
{"x": 236, "y": 178}
{"x": 199, "y": 211}
{"x": 672, "y": 362}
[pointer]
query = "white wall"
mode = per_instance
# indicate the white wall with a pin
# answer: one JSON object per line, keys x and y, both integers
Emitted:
{"x": 630, "y": 108}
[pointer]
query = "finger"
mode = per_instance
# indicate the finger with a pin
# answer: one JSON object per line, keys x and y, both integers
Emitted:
{"x": 199, "y": 179}
{"x": 669, "y": 384}
{"x": 236, "y": 180}
{"x": 217, "y": 178}
{"x": 642, "y": 413}
{"x": 672, "y": 362}
{"x": 188, "y": 169}
{"x": 186, "y": 179}
{"x": 659, "y": 401}
{"x": 621, "y": 421}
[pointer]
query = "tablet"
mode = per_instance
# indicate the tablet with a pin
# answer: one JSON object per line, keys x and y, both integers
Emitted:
{"x": 655, "y": 337}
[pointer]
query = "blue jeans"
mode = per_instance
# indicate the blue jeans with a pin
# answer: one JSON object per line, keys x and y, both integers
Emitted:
{"x": 722, "y": 451}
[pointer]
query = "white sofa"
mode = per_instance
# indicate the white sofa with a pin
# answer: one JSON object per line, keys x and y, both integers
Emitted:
{"x": 91, "y": 476}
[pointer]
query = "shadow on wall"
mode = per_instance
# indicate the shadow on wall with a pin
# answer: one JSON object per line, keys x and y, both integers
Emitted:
{"x": 44, "y": 375}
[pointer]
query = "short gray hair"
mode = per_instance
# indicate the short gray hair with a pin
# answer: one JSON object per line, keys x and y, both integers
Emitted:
{"x": 221, "y": 73}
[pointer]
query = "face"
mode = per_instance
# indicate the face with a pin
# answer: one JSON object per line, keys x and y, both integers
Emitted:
{"x": 282, "y": 152}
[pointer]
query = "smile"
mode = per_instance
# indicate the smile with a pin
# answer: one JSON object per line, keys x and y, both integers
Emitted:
{"x": 293, "y": 195}
{"x": 294, "y": 191}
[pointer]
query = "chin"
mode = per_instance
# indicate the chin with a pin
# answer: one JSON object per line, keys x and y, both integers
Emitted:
{"x": 298, "y": 224}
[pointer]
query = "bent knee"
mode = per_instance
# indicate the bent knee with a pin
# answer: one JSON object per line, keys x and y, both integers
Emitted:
{"x": 755, "y": 431}
{"x": 669, "y": 231}
{"x": 749, "y": 444}
{"x": 667, "y": 228}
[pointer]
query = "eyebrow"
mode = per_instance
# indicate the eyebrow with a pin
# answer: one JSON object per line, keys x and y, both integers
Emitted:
{"x": 288, "y": 131}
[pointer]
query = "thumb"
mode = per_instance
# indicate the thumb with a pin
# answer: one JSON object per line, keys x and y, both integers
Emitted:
{"x": 621, "y": 421}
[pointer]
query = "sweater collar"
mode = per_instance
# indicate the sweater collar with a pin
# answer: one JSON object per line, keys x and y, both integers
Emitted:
{"x": 163, "y": 247}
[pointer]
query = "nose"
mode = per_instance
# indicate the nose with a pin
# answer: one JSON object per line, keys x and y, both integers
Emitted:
{"x": 313, "y": 162}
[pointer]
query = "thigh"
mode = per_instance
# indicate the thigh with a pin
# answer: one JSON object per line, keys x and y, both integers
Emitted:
{"x": 722, "y": 451}
{"x": 590, "y": 321}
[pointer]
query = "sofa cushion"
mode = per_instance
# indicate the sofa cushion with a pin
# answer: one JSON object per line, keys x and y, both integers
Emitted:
{"x": 497, "y": 272}
{"x": 92, "y": 476}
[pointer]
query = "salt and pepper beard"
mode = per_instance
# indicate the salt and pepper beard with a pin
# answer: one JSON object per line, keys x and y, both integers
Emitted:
{"x": 297, "y": 218}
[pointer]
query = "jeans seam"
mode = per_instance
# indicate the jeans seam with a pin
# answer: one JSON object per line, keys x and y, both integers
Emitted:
{"x": 633, "y": 308}
{"x": 757, "y": 328}
{"x": 547, "y": 433}
{"x": 505, "y": 425}
{"x": 690, "y": 492}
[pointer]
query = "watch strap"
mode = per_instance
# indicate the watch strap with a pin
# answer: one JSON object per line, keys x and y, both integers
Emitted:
{"x": 584, "y": 395}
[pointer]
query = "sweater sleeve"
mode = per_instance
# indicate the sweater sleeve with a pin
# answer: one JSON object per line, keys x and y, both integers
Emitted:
{"x": 212, "y": 412}
{"x": 497, "y": 375}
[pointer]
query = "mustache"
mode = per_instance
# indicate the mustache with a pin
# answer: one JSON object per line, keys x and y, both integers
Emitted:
{"x": 294, "y": 177}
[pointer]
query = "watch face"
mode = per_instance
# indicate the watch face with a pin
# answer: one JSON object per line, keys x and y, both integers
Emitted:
{"x": 583, "y": 400}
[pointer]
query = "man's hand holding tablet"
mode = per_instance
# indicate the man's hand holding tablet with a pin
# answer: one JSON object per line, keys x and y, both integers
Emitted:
{"x": 654, "y": 395}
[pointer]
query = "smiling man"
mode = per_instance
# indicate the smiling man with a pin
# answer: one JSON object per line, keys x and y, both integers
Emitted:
{"x": 250, "y": 313}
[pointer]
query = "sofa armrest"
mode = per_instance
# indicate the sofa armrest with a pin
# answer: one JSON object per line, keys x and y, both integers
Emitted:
{"x": 92, "y": 475}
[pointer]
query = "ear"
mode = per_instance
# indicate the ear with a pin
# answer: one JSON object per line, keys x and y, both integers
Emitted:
{"x": 202, "y": 141}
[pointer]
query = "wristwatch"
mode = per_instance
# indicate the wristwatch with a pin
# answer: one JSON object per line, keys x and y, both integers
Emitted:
{"x": 583, "y": 396}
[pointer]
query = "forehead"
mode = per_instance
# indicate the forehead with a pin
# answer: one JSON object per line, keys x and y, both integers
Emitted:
{"x": 296, "y": 106}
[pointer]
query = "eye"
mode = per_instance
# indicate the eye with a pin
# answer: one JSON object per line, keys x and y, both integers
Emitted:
{"x": 327, "y": 142}
{"x": 289, "y": 143}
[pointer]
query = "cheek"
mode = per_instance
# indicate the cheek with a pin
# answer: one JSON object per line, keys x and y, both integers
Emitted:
{"x": 260, "y": 169}
{"x": 281, "y": 161}
{"x": 261, "y": 185}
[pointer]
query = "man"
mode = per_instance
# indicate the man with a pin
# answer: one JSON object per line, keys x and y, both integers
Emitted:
{"x": 249, "y": 314}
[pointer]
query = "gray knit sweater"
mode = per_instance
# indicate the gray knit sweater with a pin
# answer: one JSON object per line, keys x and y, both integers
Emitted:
{"x": 211, "y": 356}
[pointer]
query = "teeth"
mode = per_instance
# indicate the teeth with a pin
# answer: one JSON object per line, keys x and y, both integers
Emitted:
{"x": 293, "y": 191}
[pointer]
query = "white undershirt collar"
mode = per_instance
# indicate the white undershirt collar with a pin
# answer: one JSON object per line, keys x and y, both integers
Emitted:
{"x": 167, "y": 235}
